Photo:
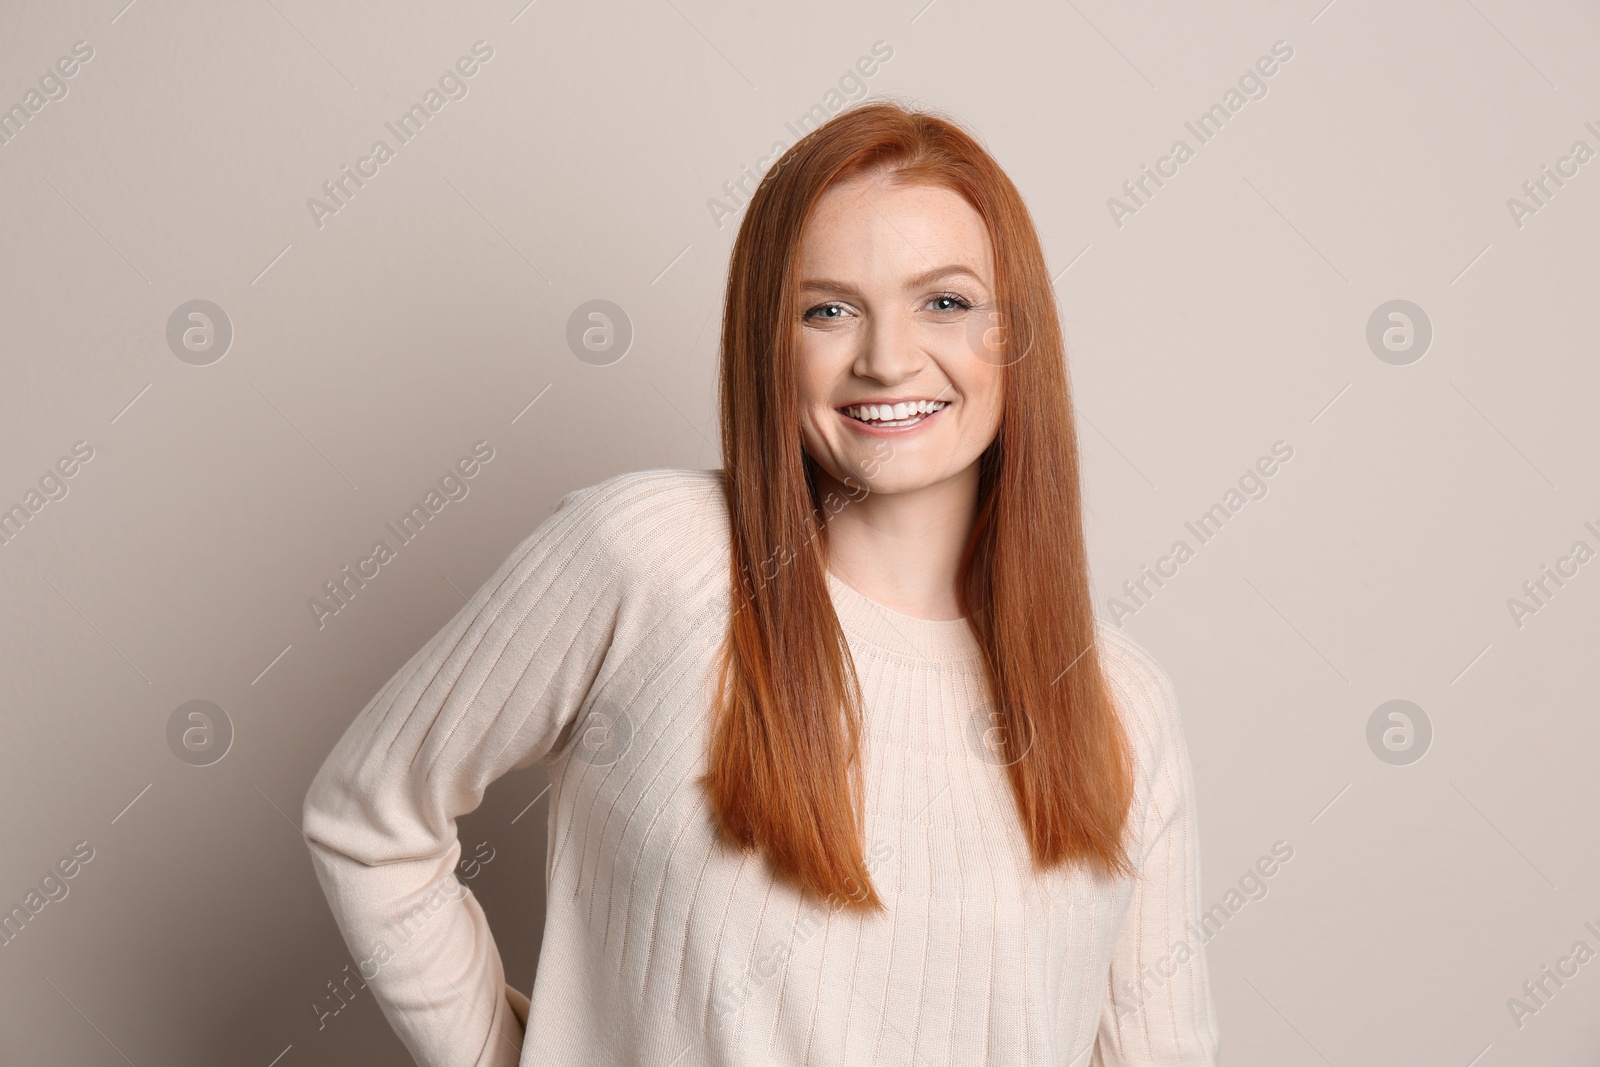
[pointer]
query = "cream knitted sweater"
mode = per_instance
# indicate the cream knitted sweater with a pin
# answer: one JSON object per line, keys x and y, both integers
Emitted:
{"x": 590, "y": 650}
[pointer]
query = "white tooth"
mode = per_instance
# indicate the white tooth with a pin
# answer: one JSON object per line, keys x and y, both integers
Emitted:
{"x": 873, "y": 412}
{"x": 901, "y": 411}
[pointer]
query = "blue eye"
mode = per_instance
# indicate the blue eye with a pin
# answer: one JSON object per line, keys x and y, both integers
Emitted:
{"x": 958, "y": 301}
{"x": 824, "y": 307}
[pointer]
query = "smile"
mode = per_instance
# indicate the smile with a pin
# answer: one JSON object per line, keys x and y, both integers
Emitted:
{"x": 894, "y": 416}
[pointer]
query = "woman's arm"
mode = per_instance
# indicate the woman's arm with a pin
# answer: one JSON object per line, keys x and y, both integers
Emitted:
{"x": 489, "y": 693}
{"x": 1160, "y": 1009}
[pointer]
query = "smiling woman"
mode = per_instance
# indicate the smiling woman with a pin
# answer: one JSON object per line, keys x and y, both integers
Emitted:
{"x": 856, "y": 784}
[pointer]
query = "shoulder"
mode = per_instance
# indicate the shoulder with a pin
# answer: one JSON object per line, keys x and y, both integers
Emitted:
{"x": 637, "y": 492}
{"x": 648, "y": 521}
{"x": 658, "y": 506}
{"x": 1143, "y": 691}
{"x": 1133, "y": 671}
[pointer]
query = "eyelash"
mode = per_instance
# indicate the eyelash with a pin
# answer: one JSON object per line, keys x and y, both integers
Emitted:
{"x": 962, "y": 303}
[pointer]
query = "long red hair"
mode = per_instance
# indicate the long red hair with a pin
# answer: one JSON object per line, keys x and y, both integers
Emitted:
{"x": 784, "y": 771}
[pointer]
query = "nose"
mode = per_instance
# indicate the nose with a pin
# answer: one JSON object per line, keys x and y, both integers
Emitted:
{"x": 889, "y": 352}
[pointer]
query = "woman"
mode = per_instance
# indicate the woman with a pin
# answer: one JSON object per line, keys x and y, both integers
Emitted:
{"x": 843, "y": 769}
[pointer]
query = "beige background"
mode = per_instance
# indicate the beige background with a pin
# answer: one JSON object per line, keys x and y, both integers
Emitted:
{"x": 369, "y": 354}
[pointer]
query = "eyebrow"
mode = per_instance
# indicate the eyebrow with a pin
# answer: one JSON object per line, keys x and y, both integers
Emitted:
{"x": 828, "y": 285}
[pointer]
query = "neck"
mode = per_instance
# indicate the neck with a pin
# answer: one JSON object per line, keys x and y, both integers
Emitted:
{"x": 903, "y": 549}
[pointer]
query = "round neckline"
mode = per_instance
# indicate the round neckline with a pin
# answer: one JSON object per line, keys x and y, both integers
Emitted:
{"x": 897, "y": 633}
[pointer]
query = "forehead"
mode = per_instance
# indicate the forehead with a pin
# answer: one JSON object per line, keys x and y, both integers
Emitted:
{"x": 871, "y": 223}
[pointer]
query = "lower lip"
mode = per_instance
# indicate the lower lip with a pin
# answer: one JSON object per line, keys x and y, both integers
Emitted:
{"x": 875, "y": 430}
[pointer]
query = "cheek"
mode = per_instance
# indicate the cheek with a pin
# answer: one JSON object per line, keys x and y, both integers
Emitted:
{"x": 821, "y": 362}
{"x": 813, "y": 389}
{"x": 812, "y": 378}
{"x": 984, "y": 389}
{"x": 811, "y": 399}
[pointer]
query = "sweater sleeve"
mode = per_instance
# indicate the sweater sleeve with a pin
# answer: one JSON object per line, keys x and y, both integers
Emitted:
{"x": 1160, "y": 1010}
{"x": 491, "y": 692}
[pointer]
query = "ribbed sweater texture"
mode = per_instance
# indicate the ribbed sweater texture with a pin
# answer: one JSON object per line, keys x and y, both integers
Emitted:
{"x": 591, "y": 650}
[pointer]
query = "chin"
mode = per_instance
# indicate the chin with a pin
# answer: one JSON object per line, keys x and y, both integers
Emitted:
{"x": 908, "y": 478}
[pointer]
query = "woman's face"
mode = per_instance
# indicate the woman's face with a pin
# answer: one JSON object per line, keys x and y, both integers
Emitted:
{"x": 896, "y": 293}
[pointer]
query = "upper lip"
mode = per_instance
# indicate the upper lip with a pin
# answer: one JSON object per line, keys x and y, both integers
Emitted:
{"x": 892, "y": 400}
